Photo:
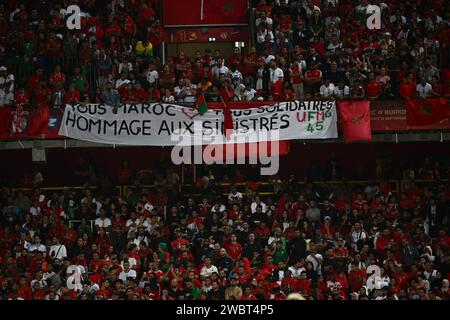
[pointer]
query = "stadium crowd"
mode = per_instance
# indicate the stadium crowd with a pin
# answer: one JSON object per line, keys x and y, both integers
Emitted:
{"x": 303, "y": 50}
{"x": 325, "y": 241}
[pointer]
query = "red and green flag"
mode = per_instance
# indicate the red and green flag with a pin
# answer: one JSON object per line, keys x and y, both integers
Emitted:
{"x": 425, "y": 112}
{"x": 201, "y": 104}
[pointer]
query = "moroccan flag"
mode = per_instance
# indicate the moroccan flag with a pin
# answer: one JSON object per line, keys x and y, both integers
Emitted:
{"x": 39, "y": 122}
{"x": 201, "y": 104}
{"x": 355, "y": 118}
{"x": 226, "y": 8}
{"x": 424, "y": 112}
{"x": 190, "y": 13}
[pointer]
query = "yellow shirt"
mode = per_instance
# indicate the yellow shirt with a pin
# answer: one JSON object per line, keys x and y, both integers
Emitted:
{"x": 140, "y": 49}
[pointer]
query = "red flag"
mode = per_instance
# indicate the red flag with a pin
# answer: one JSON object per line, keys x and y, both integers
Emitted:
{"x": 204, "y": 13}
{"x": 355, "y": 117}
{"x": 5, "y": 120}
{"x": 227, "y": 121}
{"x": 226, "y": 10}
{"x": 424, "y": 112}
{"x": 39, "y": 122}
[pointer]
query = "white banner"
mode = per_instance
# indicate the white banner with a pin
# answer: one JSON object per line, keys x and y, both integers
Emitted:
{"x": 158, "y": 124}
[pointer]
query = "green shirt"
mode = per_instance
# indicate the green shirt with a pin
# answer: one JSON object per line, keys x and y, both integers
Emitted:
{"x": 79, "y": 82}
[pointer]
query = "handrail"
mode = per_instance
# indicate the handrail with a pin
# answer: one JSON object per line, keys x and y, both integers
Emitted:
{"x": 122, "y": 189}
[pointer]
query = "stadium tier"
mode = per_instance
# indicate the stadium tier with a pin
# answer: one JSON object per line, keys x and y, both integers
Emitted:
{"x": 248, "y": 150}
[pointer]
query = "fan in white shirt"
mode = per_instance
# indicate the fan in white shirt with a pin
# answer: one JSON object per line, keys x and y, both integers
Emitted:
{"x": 256, "y": 203}
{"x": 263, "y": 19}
{"x": 122, "y": 81}
{"x": 423, "y": 89}
{"x": 327, "y": 89}
{"x": 208, "y": 269}
{"x": 341, "y": 91}
{"x": 57, "y": 250}
{"x": 235, "y": 195}
{"x": 276, "y": 74}
{"x": 127, "y": 272}
{"x": 102, "y": 221}
{"x": 297, "y": 269}
{"x": 152, "y": 76}
{"x": 37, "y": 245}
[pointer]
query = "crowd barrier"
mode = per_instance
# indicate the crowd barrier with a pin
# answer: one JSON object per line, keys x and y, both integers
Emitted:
{"x": 189, "y": 190}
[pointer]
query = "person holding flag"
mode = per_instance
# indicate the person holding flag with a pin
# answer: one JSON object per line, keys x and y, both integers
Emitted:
{"x": 226, "y": 96}
{"x": 202, "y": 87}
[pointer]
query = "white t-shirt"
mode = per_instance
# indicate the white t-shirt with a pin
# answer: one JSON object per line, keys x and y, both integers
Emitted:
{"x": 249, "y": 95}
{"x": 58, "y": 251}
{"x": 103, "y": 223}
{"x": 254, "y": 205}
{"x": 341, "y": 92}
{"x": 130, "y": 274}
{"x": 261, "y": 36}
{"x": 121, "y": 82}
{"x": 356, "y": 236}
{"x": 424, "y": 91}
{"x": 236, "y": 196}
{"x": 327, "y": 91}
{"x": 207, "y": 272}
{"x": 276, "y": 74}
{"x": 40, "y": 248}
{"x": 296, "y": 272}
{"x": 152, "y": 76}
{"x": 266, "y": 20}
{"x": 222, "y": 208}
{"x": 217, "y": 71}
{"x": 128, "y": 66}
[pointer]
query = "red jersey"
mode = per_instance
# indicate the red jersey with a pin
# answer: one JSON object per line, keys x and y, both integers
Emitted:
{"x": 234, "y": 250}
{"x": 373, "y": 89}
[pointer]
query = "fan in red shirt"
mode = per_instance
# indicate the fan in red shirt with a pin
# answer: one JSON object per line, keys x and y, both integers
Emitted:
{"x": 234, "y": 249}
{"x": 113, "y": 28}
{"x": 373, "y": 87}
{"x": 356, "y": 277}
{"x": 72, "y": 95}
{"x": 129, "y": 95}
{"x": 250, "y": 63}
{"x": 236, "y": 58}
{"x": 408, "y": 87}
{"x": 178, "y": 243}
{"x": 145, "y": 14}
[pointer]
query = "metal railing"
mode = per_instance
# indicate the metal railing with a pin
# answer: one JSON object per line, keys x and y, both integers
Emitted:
{"x": 188, "y": 190}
